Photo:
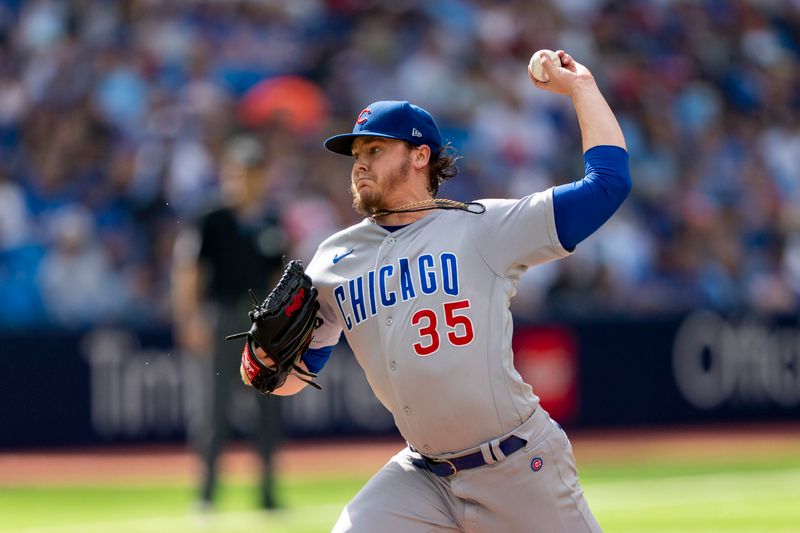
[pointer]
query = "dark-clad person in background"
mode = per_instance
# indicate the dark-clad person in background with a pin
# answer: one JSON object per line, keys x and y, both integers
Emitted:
{"x": 236, "y": 245}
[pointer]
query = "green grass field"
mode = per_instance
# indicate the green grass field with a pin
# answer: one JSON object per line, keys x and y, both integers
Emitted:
{"x": 760, "y": 494}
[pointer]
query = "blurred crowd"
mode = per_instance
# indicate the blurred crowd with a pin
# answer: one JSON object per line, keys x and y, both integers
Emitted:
{"x": 114, "y": 115}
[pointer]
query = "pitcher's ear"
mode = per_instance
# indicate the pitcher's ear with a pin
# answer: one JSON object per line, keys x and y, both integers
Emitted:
{"x": 422, "y": 155}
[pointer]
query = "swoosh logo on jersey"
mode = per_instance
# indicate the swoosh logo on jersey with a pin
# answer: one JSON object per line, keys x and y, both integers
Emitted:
{"x": 337, "y": 257}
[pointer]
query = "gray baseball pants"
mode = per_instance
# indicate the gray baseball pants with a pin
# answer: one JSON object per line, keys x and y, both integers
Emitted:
{"x": 535, "y": 489}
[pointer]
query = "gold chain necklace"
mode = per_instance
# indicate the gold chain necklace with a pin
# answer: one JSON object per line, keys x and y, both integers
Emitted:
{"x": 431, "y": 203}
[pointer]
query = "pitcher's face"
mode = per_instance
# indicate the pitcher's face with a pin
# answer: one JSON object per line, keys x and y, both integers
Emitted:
{"x": 381, "y": 167}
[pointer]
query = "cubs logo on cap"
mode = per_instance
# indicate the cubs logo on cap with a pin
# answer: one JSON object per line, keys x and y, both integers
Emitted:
{"x": 362, "y": 117}
{"x": 391, "y": 119}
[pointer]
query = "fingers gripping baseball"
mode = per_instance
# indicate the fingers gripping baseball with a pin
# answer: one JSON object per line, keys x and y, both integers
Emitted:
{"x": 561, "y": 76}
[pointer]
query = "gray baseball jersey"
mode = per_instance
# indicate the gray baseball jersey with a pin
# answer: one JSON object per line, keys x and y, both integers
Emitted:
{"x": 425, "y": 309}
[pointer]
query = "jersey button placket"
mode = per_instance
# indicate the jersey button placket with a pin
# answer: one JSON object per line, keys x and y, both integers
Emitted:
{"x": 387, "y": 333}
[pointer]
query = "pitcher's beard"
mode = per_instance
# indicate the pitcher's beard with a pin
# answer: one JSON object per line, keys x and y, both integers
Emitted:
{"x": 371, "y": 200}
{"x": 367, "y": 203}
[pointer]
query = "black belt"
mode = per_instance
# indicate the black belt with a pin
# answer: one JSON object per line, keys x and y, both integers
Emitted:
{"x": 449, "y": 467}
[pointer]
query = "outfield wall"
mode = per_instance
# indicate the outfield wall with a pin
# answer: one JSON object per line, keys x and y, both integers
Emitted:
{"x": 123, "y": 386}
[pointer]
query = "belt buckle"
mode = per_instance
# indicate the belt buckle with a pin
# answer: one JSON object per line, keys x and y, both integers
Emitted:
{"x": 453, "y": 468}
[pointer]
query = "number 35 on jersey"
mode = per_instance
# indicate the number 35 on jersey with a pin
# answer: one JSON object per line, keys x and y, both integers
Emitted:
{"x": 402, "y": 281}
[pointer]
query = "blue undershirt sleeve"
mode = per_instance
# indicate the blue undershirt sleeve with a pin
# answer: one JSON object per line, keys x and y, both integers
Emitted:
{"x": 315, "y": 358}
{"x": 583, "y": 206}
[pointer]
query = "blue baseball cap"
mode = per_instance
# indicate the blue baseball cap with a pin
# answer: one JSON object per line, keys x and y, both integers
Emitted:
{"x": 391, "y": 119}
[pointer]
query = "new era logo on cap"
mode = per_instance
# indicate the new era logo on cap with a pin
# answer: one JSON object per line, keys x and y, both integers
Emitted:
{"x": 391, "y": 119}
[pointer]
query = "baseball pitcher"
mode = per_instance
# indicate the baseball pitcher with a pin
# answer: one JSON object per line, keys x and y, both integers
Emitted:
{"x": 421, "y": 288}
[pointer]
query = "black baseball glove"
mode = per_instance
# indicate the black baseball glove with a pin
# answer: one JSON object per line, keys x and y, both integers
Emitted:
{"x": 282, "y": 326}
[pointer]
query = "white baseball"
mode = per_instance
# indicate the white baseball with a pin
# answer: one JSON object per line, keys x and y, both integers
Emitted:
{"x": 535, "y": 64}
